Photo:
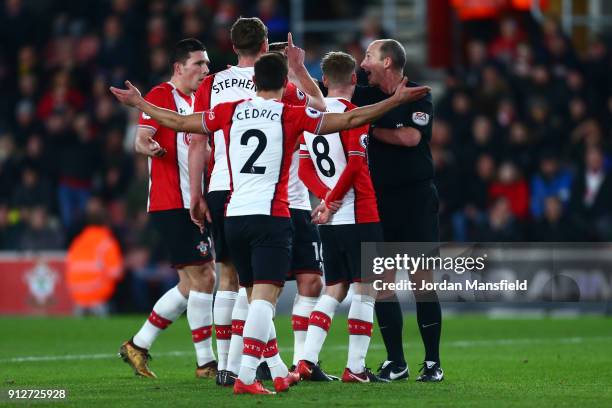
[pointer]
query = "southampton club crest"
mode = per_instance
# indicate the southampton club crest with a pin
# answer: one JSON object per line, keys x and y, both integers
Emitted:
{"x": 41, "y": 282}
{"x": 203, "y": 248}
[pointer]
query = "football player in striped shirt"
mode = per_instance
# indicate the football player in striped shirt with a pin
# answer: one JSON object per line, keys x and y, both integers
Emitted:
{"x": 334, "y": 167}
{"x": 168, "y": 207}
{"x": 249, "y": 37}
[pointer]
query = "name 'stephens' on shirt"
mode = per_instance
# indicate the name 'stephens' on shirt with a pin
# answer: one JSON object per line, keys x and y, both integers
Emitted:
{"x": 254, "y": 113}
{"x": 232, "y": 83}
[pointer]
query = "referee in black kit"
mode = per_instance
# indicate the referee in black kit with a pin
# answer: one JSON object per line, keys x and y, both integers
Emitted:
{"x": 402, "y": 170}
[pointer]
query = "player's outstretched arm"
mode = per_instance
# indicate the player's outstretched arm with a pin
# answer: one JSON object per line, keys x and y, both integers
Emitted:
{"x": 165, "y": 117}
{"x": 334, "y": 122}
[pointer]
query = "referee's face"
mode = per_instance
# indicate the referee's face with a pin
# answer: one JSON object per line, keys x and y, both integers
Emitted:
{"x": 373, "y": 64}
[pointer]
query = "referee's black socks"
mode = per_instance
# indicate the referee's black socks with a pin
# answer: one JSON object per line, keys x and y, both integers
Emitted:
{"x": 429, "y": 319}
{"x": 391, "y": 324}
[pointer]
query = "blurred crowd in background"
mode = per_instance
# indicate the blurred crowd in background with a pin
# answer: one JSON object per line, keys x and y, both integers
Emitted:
{"x": 520, "y": 135}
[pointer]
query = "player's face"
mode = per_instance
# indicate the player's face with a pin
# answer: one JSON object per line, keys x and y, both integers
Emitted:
{"x": 195, "y": 69}
{"x": 373, "y": 64}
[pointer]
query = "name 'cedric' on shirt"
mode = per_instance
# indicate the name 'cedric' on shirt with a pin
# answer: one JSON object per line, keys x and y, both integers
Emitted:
{"x": 254, "y": 113}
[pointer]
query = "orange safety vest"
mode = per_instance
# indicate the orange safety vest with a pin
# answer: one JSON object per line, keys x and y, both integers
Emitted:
{"x": 93, "y": 266}
{"x": 478, "y": 9}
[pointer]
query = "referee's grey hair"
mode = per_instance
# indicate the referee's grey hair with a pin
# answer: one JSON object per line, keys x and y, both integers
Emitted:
{"x": 394, "y": 50}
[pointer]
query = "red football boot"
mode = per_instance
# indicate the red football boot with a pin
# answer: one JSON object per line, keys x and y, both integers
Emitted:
{"x": 304, "y": 369}
{"x": 256, "y": 388}
{"x": 364, "y": 377}
{"x": 282, "y": 384}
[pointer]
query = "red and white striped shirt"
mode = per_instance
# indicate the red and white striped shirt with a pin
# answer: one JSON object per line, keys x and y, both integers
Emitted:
{"x": 168, "y": 175}
{"x": 337, "y": 162}
{"x": 230, "y": 85}
{"x": 260, "y": 136}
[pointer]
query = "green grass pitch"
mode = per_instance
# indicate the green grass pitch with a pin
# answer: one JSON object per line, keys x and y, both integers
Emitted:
{"x": 488, "y": 363}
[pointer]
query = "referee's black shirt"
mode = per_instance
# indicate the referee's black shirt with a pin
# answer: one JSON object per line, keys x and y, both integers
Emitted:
{"x": 394, "y": 167}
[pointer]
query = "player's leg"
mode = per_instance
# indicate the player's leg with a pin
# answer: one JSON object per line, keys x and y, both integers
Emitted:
{"x": 166, "y": 310}
{"x": 257, "y": 330}
{"x": 227, "y": 290}
{"x": 270, "y": 257}
{"x": 321, "y": 319}
{"x": 173, "y": 303}
{"x": 361, "y": 311}
{"x": 306, "y": 270}
{"x": 239, "y": 315}
{"x": 309, "y": 287}
{"x": 319, "y": 322}
{"x": 225, "y": 300}
{"x": 199, "y": 316}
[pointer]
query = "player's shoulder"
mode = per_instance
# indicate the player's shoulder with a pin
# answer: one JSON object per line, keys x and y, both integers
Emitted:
{"x": 426, "y": 98}
{"x": 163, "y": 89}
{"x": 338, "y": 105}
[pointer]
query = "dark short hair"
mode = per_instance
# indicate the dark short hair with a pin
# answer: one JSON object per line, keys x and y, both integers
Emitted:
{"x": 270, "y": 72}
{"x": 278, "y": 46}
{"x": 394, "y": 50}
{"x": 338, "y": 67}
{"x": 182, "y": 49}
{"x": 248, "y": 34}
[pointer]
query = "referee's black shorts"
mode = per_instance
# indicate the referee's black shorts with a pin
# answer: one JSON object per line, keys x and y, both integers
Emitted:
{"x": 182, "y": 238}
{"x": 409, "y": 213}
{"x": 216, "y": 201}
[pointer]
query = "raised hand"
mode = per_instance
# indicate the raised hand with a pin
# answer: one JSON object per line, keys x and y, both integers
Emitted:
{"x": 130, "y": 96}
{"x": 295, "y": 55}
{"x": 410, "y": 94}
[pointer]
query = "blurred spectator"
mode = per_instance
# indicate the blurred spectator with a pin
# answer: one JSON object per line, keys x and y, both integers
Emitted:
{"x": 10, "y": 229}
{"x": 551, "y": 181}
{"x": 78, "y": 162}
{"x": 553, "y": 226}
{"x": 500, "y": 225}
{"x": 40, "y": 233}
{"x": 591, "y": 198}
{"x": 33, "y": 190}
{"x": 513, "y": 187}
{"x": 519, "y": 147}
{"x": 504, "y": 47}
{"x": 61, "y": 96}
{"x": 9, "y": 166}
{"x": 475, "y": 198}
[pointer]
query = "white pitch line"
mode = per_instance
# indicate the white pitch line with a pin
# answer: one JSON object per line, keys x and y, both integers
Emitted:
{"x": 456, "y": 343}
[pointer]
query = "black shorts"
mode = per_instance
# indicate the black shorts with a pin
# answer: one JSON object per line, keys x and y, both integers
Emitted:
{"x": 306, "y": 248}
{"x": 342, "y": 250}
{"x": 260, "y": 247}
{"x": 409, "y": 214}
{"x": 216, "y": 201}
{"x": 182, "y": 238}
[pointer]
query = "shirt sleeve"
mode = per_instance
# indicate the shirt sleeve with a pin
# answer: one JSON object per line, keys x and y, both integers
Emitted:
{"x": 354, "y": 141}
{"x": 308, "y": 173}
{"x": 216, "y": 118}
{"x": 421, "y": 116}
{"x": 158, "y": 96}
{"x": 202, "y": 96}
{"x": 294, "y": 96}
{"x": 303, "y": 119}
